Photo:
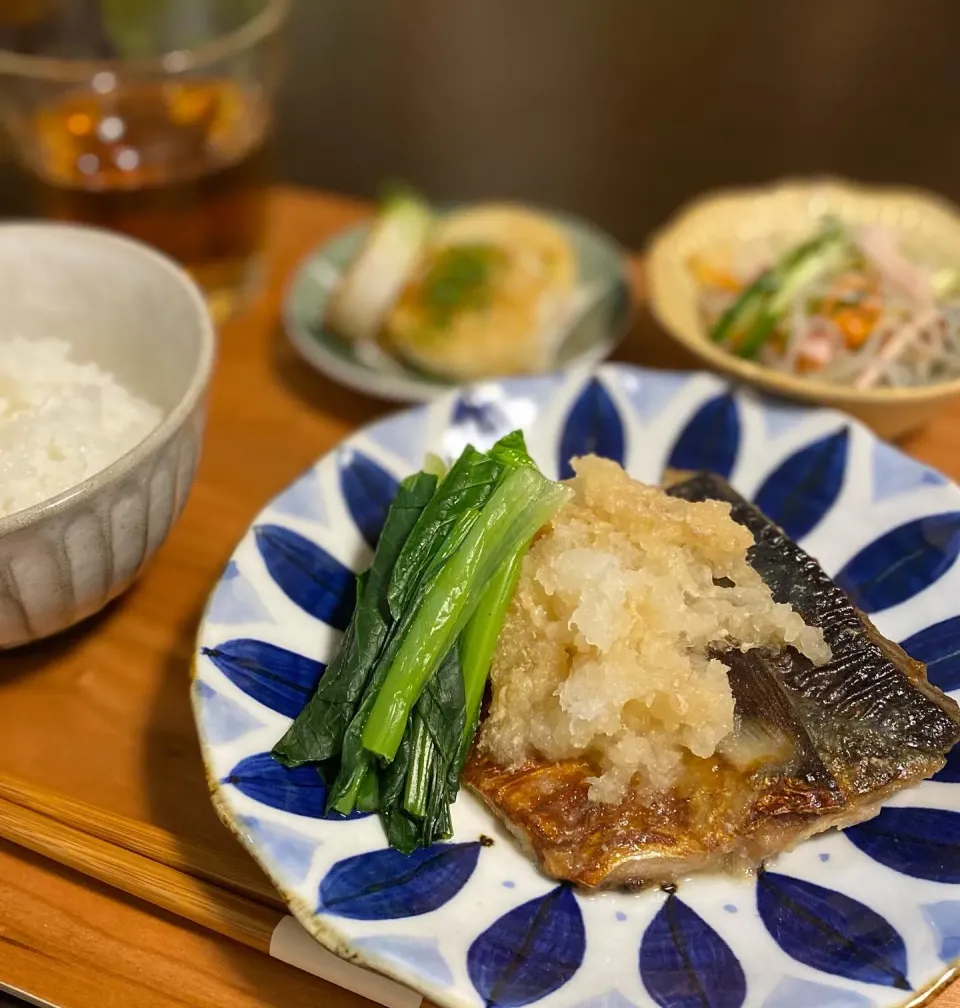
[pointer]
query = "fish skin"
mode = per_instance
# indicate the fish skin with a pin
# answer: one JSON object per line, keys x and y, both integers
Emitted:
{"x": 872, "y": 698}
{"x": 828, "y": 745}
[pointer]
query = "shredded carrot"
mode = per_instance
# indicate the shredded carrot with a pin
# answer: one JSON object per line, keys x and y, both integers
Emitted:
{"x": 854, "y": 305}
{"x": 812, "y": 359}
{"x": 714, "y": 276}
{"x": 856, "y": 325}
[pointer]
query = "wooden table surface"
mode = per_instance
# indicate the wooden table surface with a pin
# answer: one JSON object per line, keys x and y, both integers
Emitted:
{"x": 102, "y": 713}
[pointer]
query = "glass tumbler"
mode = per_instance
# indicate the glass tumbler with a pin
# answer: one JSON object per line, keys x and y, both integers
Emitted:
{"x": 153, "y": 118}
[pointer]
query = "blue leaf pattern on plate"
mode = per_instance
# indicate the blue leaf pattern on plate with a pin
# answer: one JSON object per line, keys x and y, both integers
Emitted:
{"x": 529, "y": 952}
{"x": 308, "y": 575}
{"x": 223, "y": 719}
{"x": 385, "y": 884}
{"x": 277, "y": 678}
{"x": 741, "y": 434}
{"x": 483, "y": 416}
{"x": 792, "y": 992}
{"x": 938, "y": 647}
{"x": 800, "y": 491}
{"x": 593, "y": 427}
{"x": 290, "y": 850}
{"x": 711, "y": 438}
{"x": 303, "y": 499}
{"x": 235, "y": 600}
{"x": 368, "y": 490}
{"x": 920, "y": 842}
{"x": 831, "y": 932}
{"x": 423, "y": 953}
{"x": 300, "y": 790}
{"x": 944, "y": 921}
{"x": 901, "y": 563}
{"x": 684, "y": 963}
{"x": 895, "y": 473}
{"x": 950, "y": 774}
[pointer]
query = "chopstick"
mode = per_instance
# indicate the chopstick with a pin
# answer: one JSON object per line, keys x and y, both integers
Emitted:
{"x": 228, "y": 913}
{"x": 221, "y": 893}
{"x": 231, "y": 871}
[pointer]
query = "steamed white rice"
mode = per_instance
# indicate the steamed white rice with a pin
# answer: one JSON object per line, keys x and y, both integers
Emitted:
{"x": 60, "y": 422}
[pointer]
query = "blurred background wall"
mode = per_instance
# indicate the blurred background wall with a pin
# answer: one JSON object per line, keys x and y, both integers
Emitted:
{"x": 617, "y": 109}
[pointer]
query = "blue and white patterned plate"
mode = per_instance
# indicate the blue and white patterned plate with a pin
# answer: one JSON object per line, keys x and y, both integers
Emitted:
{"x": 869, "y": 917}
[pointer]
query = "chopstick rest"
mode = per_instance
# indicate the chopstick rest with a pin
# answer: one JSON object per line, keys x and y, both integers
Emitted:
{"x": 292, "y": 944}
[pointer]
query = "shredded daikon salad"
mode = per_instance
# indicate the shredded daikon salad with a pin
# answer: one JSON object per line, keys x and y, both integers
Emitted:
{"x": 845, "y": 306}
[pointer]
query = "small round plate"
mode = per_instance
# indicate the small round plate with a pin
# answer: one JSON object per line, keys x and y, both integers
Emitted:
{"x": 602, "y": 265}
{"x": 867, "y": 917}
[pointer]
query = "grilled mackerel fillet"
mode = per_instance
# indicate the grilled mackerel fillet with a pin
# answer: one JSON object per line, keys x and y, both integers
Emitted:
{"x": 814, "y": 747}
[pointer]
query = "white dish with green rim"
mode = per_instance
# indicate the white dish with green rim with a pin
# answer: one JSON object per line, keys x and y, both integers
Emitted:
{"x": 593, "y": 337}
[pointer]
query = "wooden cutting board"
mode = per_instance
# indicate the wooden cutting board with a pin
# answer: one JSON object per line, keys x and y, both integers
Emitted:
{"x": 102, "y": 713}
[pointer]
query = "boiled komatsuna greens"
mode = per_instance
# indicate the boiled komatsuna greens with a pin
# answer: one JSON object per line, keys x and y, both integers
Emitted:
{"x": 392, "y": 719}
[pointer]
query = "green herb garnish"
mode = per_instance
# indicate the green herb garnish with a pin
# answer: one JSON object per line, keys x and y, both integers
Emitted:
{"x": 460, "y": 278}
